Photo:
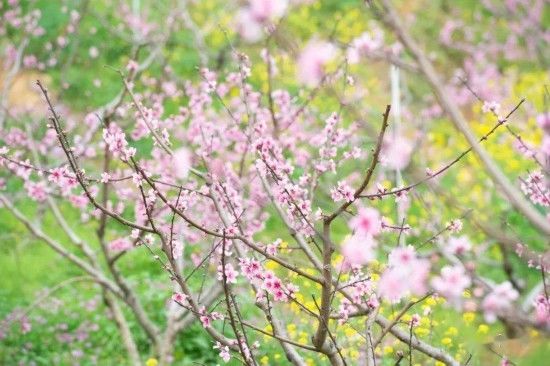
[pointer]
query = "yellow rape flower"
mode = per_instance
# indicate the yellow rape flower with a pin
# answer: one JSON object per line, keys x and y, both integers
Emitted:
{"x": 452, "y": 331}
{"x": 271, "y": 265}
{"x": 151, "y": 362}
{"x": 349, "y": 332}
{"x": 431, "y": 301}
{"x": 483, "y": 329}
{"x": 421, "y": 332}
{"x": 468, "y": 317}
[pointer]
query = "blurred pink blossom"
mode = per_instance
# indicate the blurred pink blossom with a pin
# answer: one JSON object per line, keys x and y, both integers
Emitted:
{"x": 312, "y": 61}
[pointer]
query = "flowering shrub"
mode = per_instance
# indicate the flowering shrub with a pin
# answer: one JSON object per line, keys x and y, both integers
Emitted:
{"x": 301, "y": 213}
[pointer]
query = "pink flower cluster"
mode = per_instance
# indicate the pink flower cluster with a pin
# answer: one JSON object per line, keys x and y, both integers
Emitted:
{"x": 536, "y": 188}
{"x": 120, "y": 245}
{"x": 365, "y": 44}
{"x": 312, "y": 62}
{"x": 458, "y": 245}
{"x": 406, "y": 274}
{"x": 451, "y": 283}
{"x": 259, "y": 13}
{"x": 359, "y": 248}
{"x": 542, "y": 310}
{"x": 362, "y": 293}
{"x": 499, "y": 300}
{"x": 266, "y": 280}
{"x": 206, "y": 318}
{"x": 230, "y": 273}
{"x": 116, "y": 140}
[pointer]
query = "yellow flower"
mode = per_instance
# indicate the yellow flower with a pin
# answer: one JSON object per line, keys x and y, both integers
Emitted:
{"x": 483, "y": 328}
{"x": 468, "y": 317}
{"x": 272, "y": 265}
{"x": 310, "y": 305}
{"x": 264, "y": 360}
{"x": 421, "y": 332}
{"x": 452, "y": 331}
{"x": 388, "y": 350}
{"x": 291, "y": 328}
{"x": 446, "y": 341}
{"x": 349, "y": 332}
{"x": 151, "y": 362}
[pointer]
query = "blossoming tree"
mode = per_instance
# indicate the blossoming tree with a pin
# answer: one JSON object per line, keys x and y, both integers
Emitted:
{"x": 283, "y": 211}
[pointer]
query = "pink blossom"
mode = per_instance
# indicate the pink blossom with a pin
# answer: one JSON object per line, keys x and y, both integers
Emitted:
{"x": 542, "y": 310}
{"x": 177, "y": 248}
{"x": 37, "y": 191}
{"x": 505, "y": 362}
{"x": 405, "y": 275}
{"x": 359, "y": 249}
{"x": 543, "y": 120}
{"x": 132, "y": 66}
{"x": 373, "y": 301}
{"x": 105, "y": 177}
{"x": 30, "y": 61}
{"x": 137, "y": 179}
{"x": 402, "y": 256}
{"x": 535, "y": 187}
{"x": 312, "y": 61}
{"x": 452, "y": 282}
{"x": 247, "y": 27}
{"x": 205, "y": 319}
{"x": 181, "y": 163}
{"x": 342, "y": 192}
{"x": 79, "y": 200}
{"x": 415, "y": 320}
{"x": 57, "y": 175}
{"x": 252, "y": 19}
{"x": 271, "y": 249}
{"x": 458, "y": 245}
{"x": 367, "y": 221}
{"x": 224, "y": 352}
{"x": 116, "y": 141}
{"x": 62, "y": 41}
{"x": 250, "y": 268}
{"x": 455, "y": 226}
{"x": 492, "y": 107}
{"x": 364, "y": 44}
{"x": 26, "y": 326}
{"x": 396, "y": 152}
{"x": 230, "y": 273}
{"x": 120, "y": 245}
{"x": 179, "y": 297}
{"x": 499, "y": 300}
{"x": 262, "y": 10}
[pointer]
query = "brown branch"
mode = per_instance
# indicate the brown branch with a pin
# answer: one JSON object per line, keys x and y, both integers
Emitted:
{"x": 370, "y": 171}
